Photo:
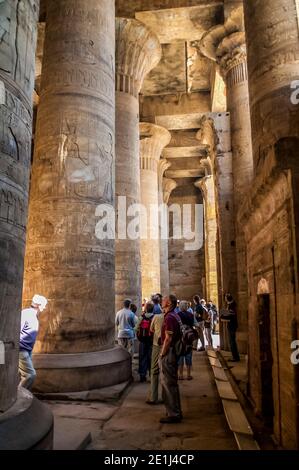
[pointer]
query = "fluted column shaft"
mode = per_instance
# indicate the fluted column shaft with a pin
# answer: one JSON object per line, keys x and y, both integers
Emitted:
{"x": 137, "y": 52}
{"x": 153, "y": 140}
{"x": 18, "y": 26}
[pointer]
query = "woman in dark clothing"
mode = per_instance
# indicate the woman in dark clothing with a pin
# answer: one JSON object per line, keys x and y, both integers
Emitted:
{"x": 232, "y": 327}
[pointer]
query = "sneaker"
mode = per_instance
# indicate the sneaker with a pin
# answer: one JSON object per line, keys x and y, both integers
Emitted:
{"x": 170, "y": 419}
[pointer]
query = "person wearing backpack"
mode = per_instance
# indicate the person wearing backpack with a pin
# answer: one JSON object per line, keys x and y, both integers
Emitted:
{"x": 145, "y": 337}
{"x": 170, "y": 337}
{"x": 188, "y": 321}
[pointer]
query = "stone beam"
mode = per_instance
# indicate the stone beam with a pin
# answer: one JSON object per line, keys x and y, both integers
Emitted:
{"x": 176, "y": 174}
{"x": 168, "y": 105}
{"x": 184, "y": 152}
{"x": 129, "y": 8}
{"x": 187, "y": 24}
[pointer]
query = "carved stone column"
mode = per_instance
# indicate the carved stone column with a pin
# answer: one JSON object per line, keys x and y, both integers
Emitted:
{"x": 215, "y": 133}
{"x": 18, "y": 28}
{"x": 271, "y": 213}
{"x": 226, "y": 45}
{"x": 153, "y": 139}
{"x": 137, "y": 51}
{"x": 67, "y": 259}
{"x": 163, "y": 165}
{"x": 207, "y": 187}
{"x": 168, "y": 186}
{"x": 273, "y": 50}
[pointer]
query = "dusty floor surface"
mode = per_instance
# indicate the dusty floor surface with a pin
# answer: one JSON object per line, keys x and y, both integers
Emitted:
{"x": 131, "y": 424}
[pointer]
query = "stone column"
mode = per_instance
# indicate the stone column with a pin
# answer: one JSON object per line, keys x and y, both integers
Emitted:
{"x": 272, "y": 221}
{"x": 215, "y": 133}
{"x": 163, "y": 165}
{"x": 207, "y": 187}
{"x": 168, "y": 185}
{"x": 153, "y": 139}
{"x": 18, "y": 30}
{"x": 67, "y": 259}
{"x": 137, "y": 51}
{"x": 273, "y": 49}
{"x": 226, "y": 45}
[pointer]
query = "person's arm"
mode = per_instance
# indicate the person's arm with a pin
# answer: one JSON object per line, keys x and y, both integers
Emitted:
{"x": 167, "y": 343}
{"x": 23, "y": 321}
{"x": 117, "y": 320}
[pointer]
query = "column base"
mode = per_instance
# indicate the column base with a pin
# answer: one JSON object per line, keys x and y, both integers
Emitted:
{"x": 62, "y": 373}
{"x": 27, "y": 425}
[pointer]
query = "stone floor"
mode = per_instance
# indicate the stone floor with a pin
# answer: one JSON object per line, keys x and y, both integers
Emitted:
{"x": 131, "y": 424}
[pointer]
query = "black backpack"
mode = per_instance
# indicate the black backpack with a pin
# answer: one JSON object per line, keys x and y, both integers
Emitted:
{"x": 188, "y": 336}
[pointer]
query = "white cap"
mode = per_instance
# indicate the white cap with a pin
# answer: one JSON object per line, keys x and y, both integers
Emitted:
{"x": 40, "y": 301}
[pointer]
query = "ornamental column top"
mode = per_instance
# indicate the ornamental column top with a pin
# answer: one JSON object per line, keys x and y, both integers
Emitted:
{"x": 226, "y": 44}
{"x": 138, "y": 51}
{"x": 169, "y": 185}
{"x": 153, "y": 139}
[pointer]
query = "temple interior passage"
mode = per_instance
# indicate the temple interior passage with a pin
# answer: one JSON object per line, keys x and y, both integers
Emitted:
{"x": 149, "y": 214}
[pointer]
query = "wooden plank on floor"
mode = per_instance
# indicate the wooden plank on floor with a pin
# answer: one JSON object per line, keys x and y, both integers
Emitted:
{"x": 236, "y": 418}
{"x": 215, "y": 362}
{"x": 212, "y": 353}
{"x": 220, "y": 374}
{"x": 246, "y": 442}
{"x": 225, "y": 390}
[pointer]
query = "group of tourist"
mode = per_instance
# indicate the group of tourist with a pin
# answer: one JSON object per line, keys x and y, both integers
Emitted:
{"x": 167, "y": 329}
{"x": 160, "y": 329}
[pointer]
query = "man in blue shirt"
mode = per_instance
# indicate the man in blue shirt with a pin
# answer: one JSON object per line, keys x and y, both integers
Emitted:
{"x": 125, "y": 322}
{"x": 29, "y": 330}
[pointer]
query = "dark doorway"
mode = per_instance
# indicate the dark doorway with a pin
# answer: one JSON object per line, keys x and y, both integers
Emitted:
{"x": 266, "y": 358}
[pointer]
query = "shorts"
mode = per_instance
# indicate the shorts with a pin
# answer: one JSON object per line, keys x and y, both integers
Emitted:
{"x": 186, "y": 359}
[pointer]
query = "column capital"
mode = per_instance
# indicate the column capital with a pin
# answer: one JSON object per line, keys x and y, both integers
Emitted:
{"x": 138, "y": 51}
{"x": 153, "y": 139}
{"x": 169, "y": 185}
{"x": 226, "y": 45}
{"x": 163, "y": 165}
{"x": 207, "y": 134}
{"x": 206, "y": 185}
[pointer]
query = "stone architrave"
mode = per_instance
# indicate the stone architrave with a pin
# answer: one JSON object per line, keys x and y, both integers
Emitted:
{"x": 67, "y": 257}
{"x": 207, "y": 187}
{"x": 137, "y": 51}
{"x": 153, "y": 139}
{"x": 18, "y": 31}
{"x": 226, "y": 45}
{"x": 163, "y": 166}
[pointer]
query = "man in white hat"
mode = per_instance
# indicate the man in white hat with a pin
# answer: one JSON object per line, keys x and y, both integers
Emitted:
{"x": 29, "y": 330}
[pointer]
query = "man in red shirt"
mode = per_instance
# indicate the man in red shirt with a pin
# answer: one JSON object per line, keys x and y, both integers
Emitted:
{"x": 170, "y": 334}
